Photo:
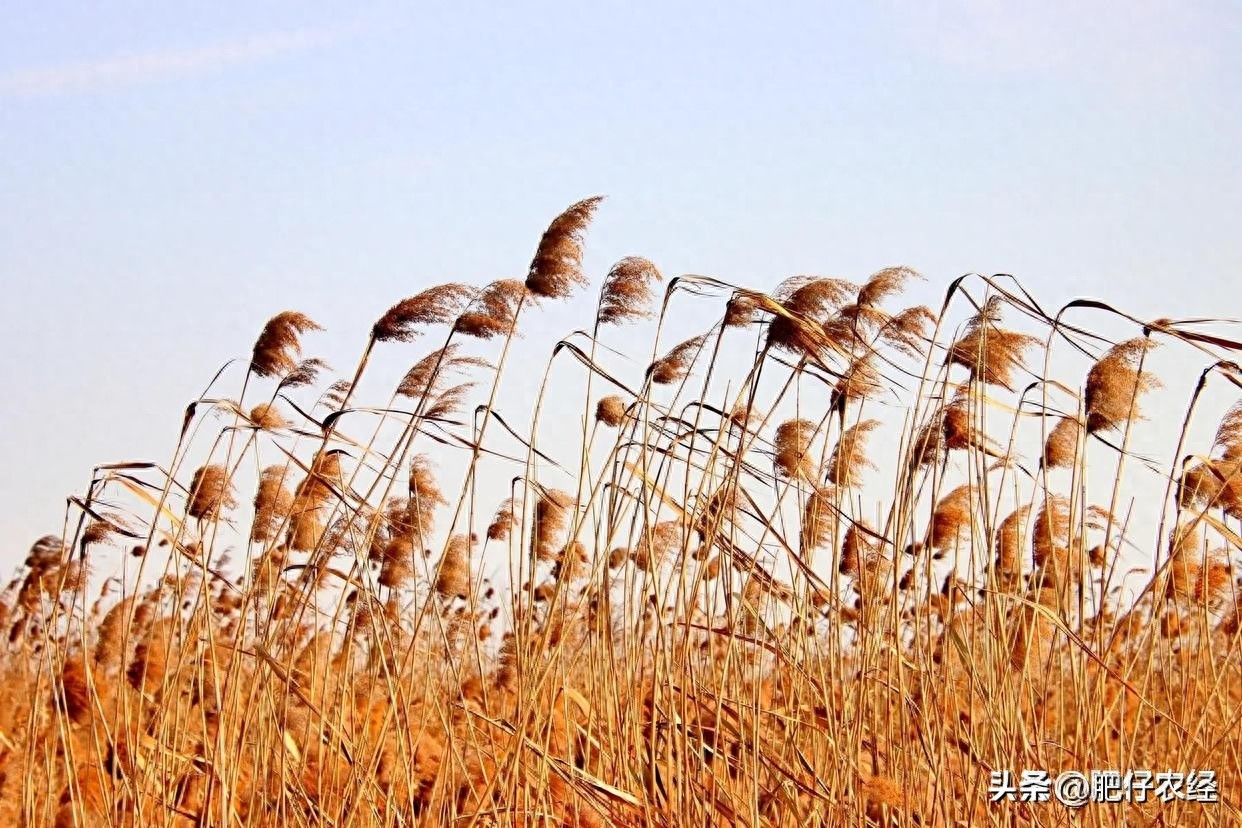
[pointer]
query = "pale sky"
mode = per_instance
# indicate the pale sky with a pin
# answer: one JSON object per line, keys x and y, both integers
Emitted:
{"x": 171, "y": 175}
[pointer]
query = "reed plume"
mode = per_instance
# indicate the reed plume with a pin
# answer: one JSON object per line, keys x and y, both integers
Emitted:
{"x": 1010, "y": 543}
{"x": 279, "y": 344}
{"x": 908, "y": 330}
{"x": 1115, "y": 383}
{"x": 610, "y": 411}
{"x": 150, "y": 663}
{"x": 675, "y": 365}
{"x": 951, "y": 517}
{"x": 449, "y": 402}
{"x": 397, "y": 562}
{"x": 552, "y": 512}
{"x": 437, "y": 305}
{"x": 885, "y": 283}
{"x": 858, "y": 548}
{"x": 809, "y": 300}
{"x": 819, "y": 518}
{"x": 1050, "y": 536}
{"x": 814, "y": 297}
{"x": 425, "y": 377}
{"x": 1062, "y": 444}
{"x": 992, "y": 354}
{"x": 425, "y": 498}
{"x": 494, "y": 311}
{"x": 849, "y": 457}
{"x": 75, "y": 690}
{"x": 453, "y": 578}
{"x": 503, "y": 521}
{"x": 1213, "y": 483}
{"x": 337, "y": 393}
{"x": 793, "y": 444}
{"x": 656, "y": 543}
{"x": 311, "y": 499}
{"x": 859, "y": 381}
{"x": 211, "y": 492}
{"x": 1228, "y": 440}
{"x": 110, "y": 643}
{"x": 267, "y": 417}
{"x": 628, "y": 291}
{"x": 740, "y": 311}
{"x": 46, "y": 552}
{"x": 273, "y": 504}
{"x": 1185, "y": 545}
{"x": 306, "y": 372}
{"x": 556, "y": 269}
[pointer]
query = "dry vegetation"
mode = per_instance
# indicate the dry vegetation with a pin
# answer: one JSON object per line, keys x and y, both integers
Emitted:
{"x": 836, "y": 582}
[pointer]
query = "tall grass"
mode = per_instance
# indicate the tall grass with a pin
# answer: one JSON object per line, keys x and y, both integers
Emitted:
{"x": 825, "y": 560}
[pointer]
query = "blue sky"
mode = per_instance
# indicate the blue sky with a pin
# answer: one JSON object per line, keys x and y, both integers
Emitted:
{"x": 171, "y": 175}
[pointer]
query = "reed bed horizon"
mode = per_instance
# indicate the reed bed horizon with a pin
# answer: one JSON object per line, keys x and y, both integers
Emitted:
{"x": 807, "y": 555}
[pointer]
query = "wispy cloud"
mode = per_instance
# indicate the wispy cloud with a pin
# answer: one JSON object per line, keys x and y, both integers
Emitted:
{"x": 1138, "y": 46}
{"x": 144, "y": 67}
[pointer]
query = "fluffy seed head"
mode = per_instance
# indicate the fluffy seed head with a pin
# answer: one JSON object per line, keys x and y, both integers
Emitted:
{"x": 813, "y": 297}
{"x": 1009, "y": 543}
{"x": 211, "y": 492}
{"x": 1183, "y": 566}
{"x": 304, "y": 373}
{"x": 425, "y": 497}
{"x": 437, "y": 305}
{"x": 556, "y": 269}
{"x": 494, "y": 310}
{"x": 793, "y": 444}
{"x": 279, "y": 344}
{"x": 992, "y": 354}
{"x": 503, "y": 521}
{"x": 273, "y": 503}
{"x": 907, "y": 331}
{"x": 819, "y": 519}
{"x": 885, "y": 283}
{"x": 396, "y": 562}
{"x": 675, "y": 365}
{"x": 75, "y": 690}
{"x": 740, "y": 311}
{"x": 1062, "y": 444}
{"x": 1214, "y": 579}
{"x": 266, "y": 417}
{"x": 849, "y": 458}
{"x": 655, "y": 544}
{"x": 628, "y": 291}
{"x": 950, "y": 519}
{"x": 1213, "y": 484}
{"x": 1050, "y": 535}
{"x": 610, "y": 411}
{"x": 46, "y": 552}
{"x": 808, "y": 301}
{"x": 551, "y": 517}
{"x": 453, "y": 578}
{"x": 1229, "y": 434}
{"x": 1115, "y": 383}
{"x": 857, "y": 547}
{"x": 859, "y": 381}
{"x": 425, "y": 377}
{"x": 883, "y": 791}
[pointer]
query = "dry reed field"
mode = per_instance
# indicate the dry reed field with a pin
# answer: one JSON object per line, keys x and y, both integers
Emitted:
{"x": 824, "y": 560}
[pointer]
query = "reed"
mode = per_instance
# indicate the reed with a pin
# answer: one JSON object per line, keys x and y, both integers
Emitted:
{"x": 826, "y": 560}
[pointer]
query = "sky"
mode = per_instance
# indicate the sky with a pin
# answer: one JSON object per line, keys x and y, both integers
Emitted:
{"x": 171, "y": 175}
